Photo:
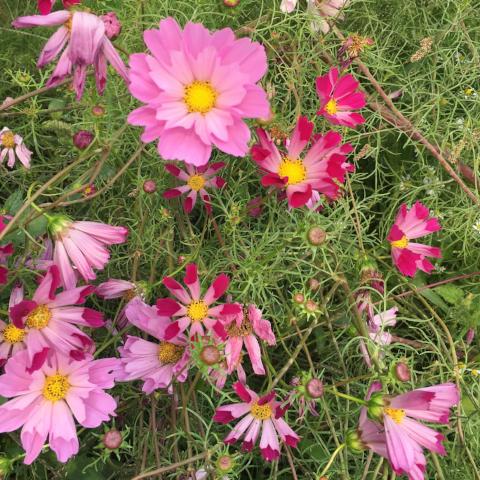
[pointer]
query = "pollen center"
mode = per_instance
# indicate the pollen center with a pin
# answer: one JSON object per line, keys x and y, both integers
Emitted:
{"x": 293, "y": 169}
{"x": 56, "y": 387}
{"x": 331, "y": 107}
{"x": 245, "y": 328}
{"x": 8, "y": 139}
{"x": 12, "y": 334}
{"x": 169, "y": 352}
{"x": 396, "y": 414}
{"x": 197, "y": 310}
{"x": 196, "y": 182}
{"x": 68, "y": 24}
{"x": 200, "y": 97}
{"x": 39, "y": 317}
{"x": 402, "y": 243}
{"x": 261, "y": 412}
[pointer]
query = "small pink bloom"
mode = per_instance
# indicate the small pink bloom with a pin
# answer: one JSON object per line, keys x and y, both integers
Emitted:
{"x": 288, "y": 6}
{"x": 195, "y": 311}
{"x": 82, "y": 139}
{"x": 377, "y": 324}
{"x": 5, "y": 252}
{"x": 113, "y": 27}
{"x": 339, "y": 97}
{"x": 45, "y": 6}
{"x": 44, "y": 403}
{"x": 157, "y": 363}
{"x": 260, "y": 414}
{"x": 11, "y": 144}
{"x": 411, "y": 224}
{"x": 198, "y": 87}
{"x": 82, "y": 38}
{"x": 196, "y": 182}
{"x": 303, "y": 179}
{"x": 50, "y": 320}
{"x": 323, "y": 11}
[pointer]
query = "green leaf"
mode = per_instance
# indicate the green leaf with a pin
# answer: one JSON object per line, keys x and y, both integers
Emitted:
{"x": 450, "y": 293}
{"x": 435, "y": 299}
{"x": 14, "y": 202}
{"x": 37, "y": 227}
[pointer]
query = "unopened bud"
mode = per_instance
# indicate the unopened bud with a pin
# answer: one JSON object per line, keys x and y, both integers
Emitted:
{"x": 354, "y": 442}
{"x": 470, "y": 336}
{"x": 225, "y": 463}
{"x": 375, "y": 406}
{"x": 210, "y": 355}
{"x": 112, "y": 439}
{"x": 314, "y": 284}
{"x": 316, "y": 236}
{"x": 311, "y": 306}
{"x": 231, "y": 3}
{"x": 98, "y": 111}
{"x": 298, "y": 298}
{"x": 314, "y": 388}
{"x": 113, "y": 27}
{"x": 82, "y": 139}
{"x": 149, "y": 186}
{"x": 402, "y": 372}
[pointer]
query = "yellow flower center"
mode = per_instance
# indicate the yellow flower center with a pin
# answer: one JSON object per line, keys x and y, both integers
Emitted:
{"x": 8, "y": 139}
{"x": 331, "y": 107}
{"x": 396, "y": 414}
{"x": 293, "y": 169}
{"x": 129, "y": 295}
{"x": 68, "y": 24}
{"x": 12, "y": 334}
{"x": 197, "y": 310}
{"x": 200, "y": 97}
{"x": 261, "y": 412}
{"x": 55, "y": 387}
{"x": 402, "y": 243}
{"x": 169, "y": 352}
{"x": 39, "y": 317}
{"x": 196, "y": 182}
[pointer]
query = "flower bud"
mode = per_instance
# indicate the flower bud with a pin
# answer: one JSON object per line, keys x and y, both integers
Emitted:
{"x": 402, "y": 372}
{"x": 82, "y": 139}
{"x": 375, "y": 406}
{"x": 354, "y": 442}
{"x": 298, "y": 298}
{"x": 149, "y": 186}
{"x": 112, "y": 439}
{"x": 470, "y": 336}
{"x": 113, "y": 27}
{"x": 311, "y": 306}
{"x": 314, "y": 284}
{"x": 314, "y": 388}
{"x": 210, "y": 355}
{"x": 98, "y": 111}
{"x": 225, "y": 463}
{"x": 254, "y": 207}
{"x": 316, "y": 236}
{"x": 231, "y": 3}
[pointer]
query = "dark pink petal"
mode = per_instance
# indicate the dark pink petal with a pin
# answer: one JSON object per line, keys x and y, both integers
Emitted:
{"x": 84, "y": 293}
{"x": 273, "y": 179}
{"x": 269, "y": 454}
{"x": 266, "y": 398}
{"x": 93, "y": 318}
{"x": 172, "y": 331}
{"x": 38, "y": 360}
{"x": 191, "y": 274}
{"x": 299, "y": 199}
{"x": 19, "y": 311}
{"x": 242, "y": 392}
{"x": 258, "y": 153}
{"x": 223, "y": 416}
{"x": 167, "y": 306}
{"x": 291, "y": 441}
{"x": 172, "y": 193}
{"x": 395, "y": 234}
{"x": 188, "y": 205}
{"x": 77, "y": 355}
{"x": 219, "y": 330}
{"x": 231, "y": 309}
{"x": 173, "y": 169}
{"x": 220, "y": 285}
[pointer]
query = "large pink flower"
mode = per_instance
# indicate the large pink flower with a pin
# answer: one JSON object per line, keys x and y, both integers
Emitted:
{"x": 83, "y": 245}
{"x": 339, "y": 97}
{"x": 45, "y": 402}
{"x": 83, "y": 36}
{"x": 197, "y": 180}
{"x": 410, "y": 224}
{"x": 12, "y": 144}
{"x": 159, "y": 363}
{"x": 50, "y": 321}
{"x": 259, "y": 414}
{"x": 5, "y": 251}
{"x": 195, "y": 311}
{"x": 45, "y": 6}
{"x": 319, "y": 172}
{"x": 198, "y": 87}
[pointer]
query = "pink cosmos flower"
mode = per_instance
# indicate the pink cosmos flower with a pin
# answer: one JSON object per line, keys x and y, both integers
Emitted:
{"x": 81, "y": 245}
{"x": 410, "y": 224}
{"x": 259, "y": 414}
{"x": 50, "y": 321}
{"x": 158, "y": 363}
{"x": 322, "y": 168}
{"x": 378, "y": 322}
{"x": 12, "y": 144}
{"x": 194, "y": 310}
{"x": 323, "y": 11}
{"x": 198, "y": 87}
{"x": 339, "y": 97}
{"x": 45, "y": 402}
{"x": 45, "y": 6}
{"x": 242, "y": 329}
{"x": 197, "y": 180}
{"x": 288, "y": 6}
{"x": 5, "y": 252}
{"x": 83, "y": 36}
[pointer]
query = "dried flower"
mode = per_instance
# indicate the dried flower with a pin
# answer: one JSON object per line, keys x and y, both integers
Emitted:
{"x": 425, "y": 48}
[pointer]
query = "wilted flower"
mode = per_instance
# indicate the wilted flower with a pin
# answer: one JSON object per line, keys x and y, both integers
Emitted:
{"x": 82, "y": 139}
{"x": 113, "y": 27}
{"x": 324, "y": 11}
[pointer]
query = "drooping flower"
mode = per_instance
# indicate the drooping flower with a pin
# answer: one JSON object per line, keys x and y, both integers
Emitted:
{"x": 12, "y": 144}
{"x": 410, "y": 224}
{"x": 113, "y": 27}
{"x": 86, "y": 44}
{"x": 324, "y": 11}
{"x": 49, "y": 321}
{"x": 197, "y": 180}
{"x": 195, "y": 311}
{"x": 378, "y": 322}
{"x": 308, "y": 390}
{"x": 319, "y": 172}
{"x": 339, "y": 97}
{"x": 157, "y": 363}
{"x": 81, "y": 245}
{"x": 198, "y": 87}
{"x": 259, "y": 414}
{"x": 5, "y": 251}
{"x": 45, "y": 6}
{"x": 44, "y": 403}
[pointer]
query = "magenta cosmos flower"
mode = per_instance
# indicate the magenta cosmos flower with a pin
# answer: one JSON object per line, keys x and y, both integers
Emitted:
{"x": 49, "y": 321}
{"x": 83, "y": 36}
{"x": 411, "y": 224}
{"x": 259, "y": 414}
{"x": 5, "y": 251}
{"x": 45, "y": 6}
{"x": 12, "y": 144}
{"x": 319, "y": 172}
{"x": 339, "y": 97}
{"x": 243, "y": 329}
{"x": 197, "y": 181}
{"x": 195, "y": 311}
{"x": 11, "y": 337}
{"x": 46, "y": 402}
{"x": 198, "y": 87}
{"x": 157, "y": 363}
{"x": 81, "y": 245}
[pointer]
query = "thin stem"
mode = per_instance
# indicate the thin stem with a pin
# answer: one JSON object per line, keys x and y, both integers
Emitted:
{"x": 347, "y": 397}
{"x": 332, "y": 458}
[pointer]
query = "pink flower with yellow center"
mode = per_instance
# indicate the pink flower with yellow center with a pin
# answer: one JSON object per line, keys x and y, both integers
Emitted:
{"x": 319, "y": 171}
{"x": 197, "y": 181}
{"x": 12, "y": 144}
{"x": 411, "y": 224}
{"x": 198, "y": 87}
{"x": 260, "y": 414}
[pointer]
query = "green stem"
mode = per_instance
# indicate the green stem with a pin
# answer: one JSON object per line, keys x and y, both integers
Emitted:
{"x": 332, "y": 458}
{"x": 347, "y": 397}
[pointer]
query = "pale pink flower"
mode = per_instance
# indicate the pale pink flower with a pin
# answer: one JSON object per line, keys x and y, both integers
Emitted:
{"x": 288, "y": 6}
{"x": 113, "y": 27}
{"x": 44, "y": 403}
{"x": 323, "y": 11}
{"x": 45, "y": 6}
{"x": 259, "y": 414}
{"x": 12, "y": 144}
{"x": 86, "y": 44}
{"x": 198, "y": 87}
{"x": 157, "y": 363}
{"x": 377, "y": 324}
